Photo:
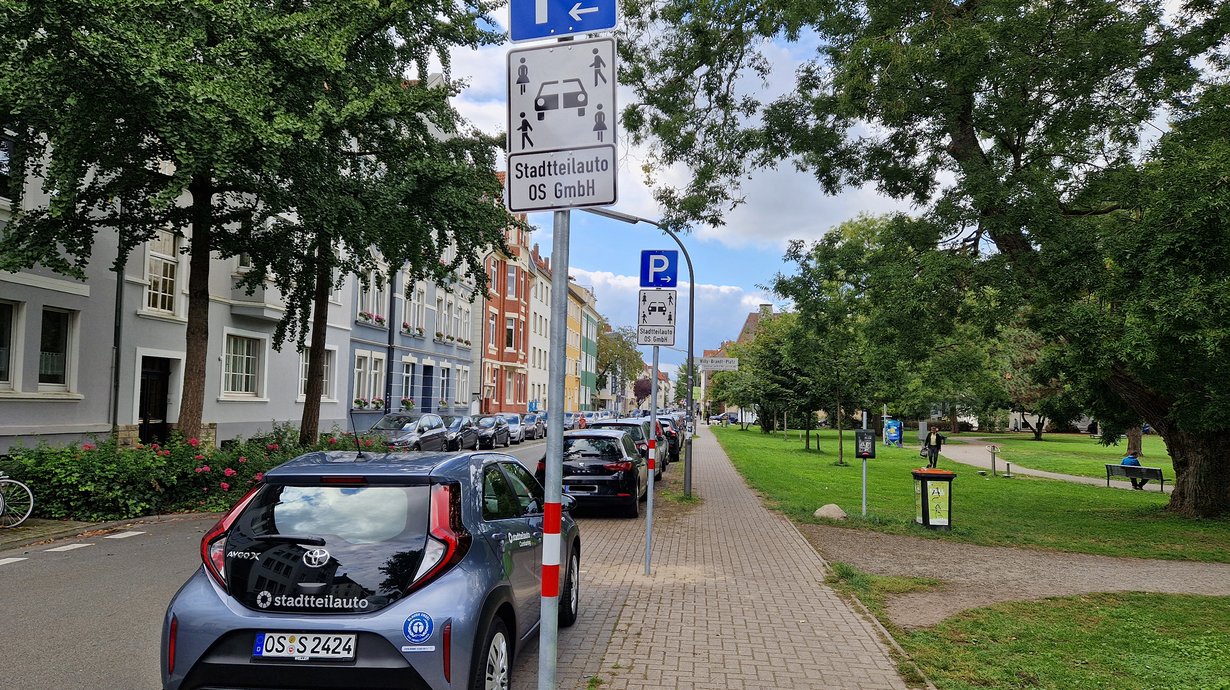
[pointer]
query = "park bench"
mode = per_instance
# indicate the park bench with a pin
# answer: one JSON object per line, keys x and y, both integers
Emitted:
{"x": 1136, "y": 472}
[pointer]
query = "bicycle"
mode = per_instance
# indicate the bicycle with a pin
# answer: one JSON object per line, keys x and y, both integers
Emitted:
{"x": 16, "y": 501}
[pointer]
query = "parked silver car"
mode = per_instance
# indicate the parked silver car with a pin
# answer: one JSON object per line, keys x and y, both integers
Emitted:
{"x": 399, "y": 570}
{"x": 516, "y": 429}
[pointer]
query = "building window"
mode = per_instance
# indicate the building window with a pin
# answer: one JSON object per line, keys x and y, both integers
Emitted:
{"x": 161, "y": 273}
{"x": 242, "y": 365}
{"x": 465, "y": 324}
{"x": 511, "y": 290}
{"x": 326, "y": 391}
{"x": 7, "y": 316}
{"x": 456, "y": 321}
{"x": 372, "y": 299}
{"x": 441, "y": 317}
{"x": 491, "y": 332}
{"x": 450, "y": 322}
{"x": 510, "y": 329}
{"x": 463, "y": 384}
{"x": 6, "y": 164}
{"x": 416, "y": 313}
{"x": 369, "y": 377}
{"x": 508, "y": 387}
{"x": 53, "y": 348}
{"x": 444, "y": 389}
{"x": 407, "y": 383}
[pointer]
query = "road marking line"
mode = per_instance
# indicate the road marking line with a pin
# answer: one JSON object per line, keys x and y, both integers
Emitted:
{"x": 70, "y": 547}
{"x": 6, "y": 561}
{"x": 122, "y": 535}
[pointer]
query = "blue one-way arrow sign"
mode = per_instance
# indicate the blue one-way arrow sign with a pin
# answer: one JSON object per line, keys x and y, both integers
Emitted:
{"x": 659, "y": 268}
{"x": 530, "y": 20}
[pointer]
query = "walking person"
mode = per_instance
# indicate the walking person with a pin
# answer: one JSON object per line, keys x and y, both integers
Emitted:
{"x": 1131, "y": 459}
{"x": 932, "y": 444}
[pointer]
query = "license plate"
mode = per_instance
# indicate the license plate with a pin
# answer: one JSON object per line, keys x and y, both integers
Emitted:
{"x": 303, "y": 646}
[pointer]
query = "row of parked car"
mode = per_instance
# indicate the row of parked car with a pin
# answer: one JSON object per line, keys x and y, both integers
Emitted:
{"x": 414, "y": 566}
{"x": 429, "y": 431}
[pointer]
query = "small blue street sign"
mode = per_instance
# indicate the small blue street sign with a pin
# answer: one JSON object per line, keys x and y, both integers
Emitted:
{"x": 530, "y": 20}
{"x": 659, "y": 268}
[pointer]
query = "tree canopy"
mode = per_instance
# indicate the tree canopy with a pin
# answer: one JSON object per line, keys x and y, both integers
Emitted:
{"x": 1016, "y": 129}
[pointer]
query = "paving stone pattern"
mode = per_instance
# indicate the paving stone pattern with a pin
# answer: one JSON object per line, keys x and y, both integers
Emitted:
{"x": 736, "y": 599}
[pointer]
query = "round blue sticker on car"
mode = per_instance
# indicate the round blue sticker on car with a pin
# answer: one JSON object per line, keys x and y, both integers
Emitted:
{"x": 418, "y": 627}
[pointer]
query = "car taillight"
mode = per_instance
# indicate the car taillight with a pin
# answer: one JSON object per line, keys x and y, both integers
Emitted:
{"x": 542, "y": 465}
{"x": 625, "y": 466}
{"x": 447, "y": 540}
{"x": 213, "y": 544}
{"x": 171, "y": 635}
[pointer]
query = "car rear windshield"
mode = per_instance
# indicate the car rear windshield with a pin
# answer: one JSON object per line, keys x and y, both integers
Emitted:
{"x": 394, "y": 422}
{"x": 327, "y": 549}
{"x": 605, "y": 448}
{"x": 512, "y": 419}
{"x": 633, "y": 429}
{"x": 486, "y": 422}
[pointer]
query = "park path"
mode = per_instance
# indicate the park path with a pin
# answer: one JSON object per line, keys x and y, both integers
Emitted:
{"x": 971, "y": 450}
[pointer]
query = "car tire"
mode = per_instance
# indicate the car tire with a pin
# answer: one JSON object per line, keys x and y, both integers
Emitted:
{"x": 508, "y": 440}
{"x": 416, "y": 448}
{"x": 493, "y": 658}
{"x": 570, "y": 595}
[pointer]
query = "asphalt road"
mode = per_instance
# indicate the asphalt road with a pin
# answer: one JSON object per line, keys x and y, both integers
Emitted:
{"x": 90, "y": 616}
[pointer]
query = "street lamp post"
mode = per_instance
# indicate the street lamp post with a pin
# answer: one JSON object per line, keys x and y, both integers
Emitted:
{"x": 633, "y": 220}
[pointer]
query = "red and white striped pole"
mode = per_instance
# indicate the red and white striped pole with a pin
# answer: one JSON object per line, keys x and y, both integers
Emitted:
{"x": 548, "y": 631}
{"x": 653, "y": 427}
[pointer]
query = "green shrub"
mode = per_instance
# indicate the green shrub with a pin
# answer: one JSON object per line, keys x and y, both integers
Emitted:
{"x": 103, "y": 481}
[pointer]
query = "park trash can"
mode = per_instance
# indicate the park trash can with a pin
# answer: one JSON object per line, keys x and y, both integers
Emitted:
{"x": 933, "y": 497}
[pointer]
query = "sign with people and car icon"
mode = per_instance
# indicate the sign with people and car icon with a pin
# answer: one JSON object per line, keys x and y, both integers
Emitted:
{"x": 655, "y": 323}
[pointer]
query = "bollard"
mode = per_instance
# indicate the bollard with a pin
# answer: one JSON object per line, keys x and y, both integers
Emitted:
{"x": 1008, "y": 471}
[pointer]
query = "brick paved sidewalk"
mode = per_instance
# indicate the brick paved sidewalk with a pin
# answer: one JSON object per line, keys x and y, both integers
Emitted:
{"x": 736, "y": 599}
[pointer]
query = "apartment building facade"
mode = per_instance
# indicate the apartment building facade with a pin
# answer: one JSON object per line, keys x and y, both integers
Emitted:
{"x": 540, "y": 330}
{"x": 505, "y": 354}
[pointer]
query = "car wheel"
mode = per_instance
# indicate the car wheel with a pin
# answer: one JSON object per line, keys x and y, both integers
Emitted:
{"x": 570, "y": 596}
{"x": 508, "y": 440}
{"x": 416, "y": 447}
{"x": 493, "y": 659}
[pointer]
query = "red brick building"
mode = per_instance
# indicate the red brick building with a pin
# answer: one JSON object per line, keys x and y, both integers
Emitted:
{"x": 506, "y": 311}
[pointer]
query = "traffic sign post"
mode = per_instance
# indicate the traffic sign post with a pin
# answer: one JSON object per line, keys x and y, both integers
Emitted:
{"x": 530, "y": 20}
{"x": 561, "y": 126}
{"x": 655, "y": 324}
{"x": 659, "y": 268}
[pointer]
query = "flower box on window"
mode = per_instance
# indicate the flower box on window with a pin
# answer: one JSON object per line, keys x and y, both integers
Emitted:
{"x": 443, "y": 403}
{"x": 360, "y": 403}
{"x": 378, "y": 319}
{"x": 407, "y": 403}
{"x": 439, "y": 335}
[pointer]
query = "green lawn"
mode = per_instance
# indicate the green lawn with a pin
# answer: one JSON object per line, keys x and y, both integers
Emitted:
{"x": 1122, "y": 640}
{"x": 1003, "y": 512}
{"x": 1075, "y": 453}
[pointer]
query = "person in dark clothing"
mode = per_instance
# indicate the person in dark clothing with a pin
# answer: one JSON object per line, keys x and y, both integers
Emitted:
{"x": 932, "y": 444}
{"x": 1138, "y": 484}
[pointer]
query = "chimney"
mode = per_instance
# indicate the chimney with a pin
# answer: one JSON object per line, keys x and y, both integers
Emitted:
{"x": 766, "y": 310}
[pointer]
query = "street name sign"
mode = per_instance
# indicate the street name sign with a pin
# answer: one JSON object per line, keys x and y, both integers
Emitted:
{"x": 655, "y": 324}
{"x": 561, "y": 126}
{"x": 659, "y": 268}
{"x": 719, "y": 363}
{"x": 530, "y": 20}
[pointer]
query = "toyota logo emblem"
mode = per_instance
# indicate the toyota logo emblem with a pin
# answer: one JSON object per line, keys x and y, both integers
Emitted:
{"x": 316, "y": 558}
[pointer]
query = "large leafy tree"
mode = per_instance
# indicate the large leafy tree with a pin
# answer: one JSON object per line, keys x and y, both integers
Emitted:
{"x": 618, "y": 357}
{"x": 993, "y": 115}
{"x": 140, "y": 116}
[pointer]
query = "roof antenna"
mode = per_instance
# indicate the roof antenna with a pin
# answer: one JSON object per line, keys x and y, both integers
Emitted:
{"x": 354, "y": 431}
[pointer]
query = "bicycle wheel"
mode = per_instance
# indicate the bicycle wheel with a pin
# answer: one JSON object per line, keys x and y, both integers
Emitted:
{"x": 16, "y": 502}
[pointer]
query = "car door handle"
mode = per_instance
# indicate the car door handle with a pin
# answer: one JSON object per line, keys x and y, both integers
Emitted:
{"x": 498, "y": 536}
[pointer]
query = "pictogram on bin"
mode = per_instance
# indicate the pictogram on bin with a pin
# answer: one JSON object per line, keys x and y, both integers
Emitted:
{"x": 933, "y": 497}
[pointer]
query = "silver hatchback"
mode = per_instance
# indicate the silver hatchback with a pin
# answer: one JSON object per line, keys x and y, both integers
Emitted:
{"x": 400, "y": 570}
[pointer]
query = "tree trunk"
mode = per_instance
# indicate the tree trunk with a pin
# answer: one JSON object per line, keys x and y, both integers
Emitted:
{"x": 954, "y": 423}
{"x": 196, "y": 346}
{"x": 1039, "y": 425}
{"x": 807, "y": 440}
{"x": 309, "y": 423}
{"x": 1202, "y": 475}
{"x": 1134, "y": 441}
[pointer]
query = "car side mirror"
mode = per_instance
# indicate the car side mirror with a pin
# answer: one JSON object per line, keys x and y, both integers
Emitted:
{"x": 567, "y": 502}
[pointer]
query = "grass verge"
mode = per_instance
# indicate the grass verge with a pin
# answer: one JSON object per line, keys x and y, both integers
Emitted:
{"x": 1077, "y": 454}
{"x": 998, "y": 512}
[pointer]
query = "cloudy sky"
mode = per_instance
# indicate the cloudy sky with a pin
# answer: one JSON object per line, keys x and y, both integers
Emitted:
{"x": 731, "y": 261}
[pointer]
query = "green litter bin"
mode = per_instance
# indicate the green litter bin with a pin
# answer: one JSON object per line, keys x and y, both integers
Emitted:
{"x": 933, "y": 497}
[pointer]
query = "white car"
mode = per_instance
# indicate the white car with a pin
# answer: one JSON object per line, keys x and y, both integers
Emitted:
{"x": 516, "y": 429}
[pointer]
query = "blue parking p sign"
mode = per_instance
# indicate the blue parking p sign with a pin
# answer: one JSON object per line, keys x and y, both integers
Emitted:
{"x": 658, "y": 268}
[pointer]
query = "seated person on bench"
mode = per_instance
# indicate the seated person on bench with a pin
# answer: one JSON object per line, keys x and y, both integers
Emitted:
{"x": 1131, "y": 460}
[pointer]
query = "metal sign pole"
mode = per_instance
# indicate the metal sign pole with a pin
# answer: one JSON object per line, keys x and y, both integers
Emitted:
{"x": 548, "y": 635}
{"x": 653, "y": 429}
{"x": 865, "y": 470}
